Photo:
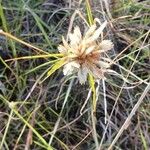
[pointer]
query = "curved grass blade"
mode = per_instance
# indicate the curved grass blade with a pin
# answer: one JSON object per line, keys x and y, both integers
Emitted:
{"x": 38, "y": 21}
{"x": 55, "y": 67}
{"x": 22, "y": 42}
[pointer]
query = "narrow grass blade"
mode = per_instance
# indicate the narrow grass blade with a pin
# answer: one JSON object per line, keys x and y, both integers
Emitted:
{"x": 22, "y": 42}
{"x": 59, "y": 118}
{"x": 92, "y": 86}
{"x": 12, "y": 107}
{"x": 128, "y": 119}
{"x": 89, "y": 13}
{"x": 56, "y": 66}
{"x": 143, "y": 140}
{"x": 37, "y": 19}
{"x": 35, "y": 57}
{"x": 6, "y": 129}
{"x": 39, "y": 66}
{"x": 48, "y": 147}
{"x": 4, "y": 63}
{"x": 4, "y": 24}
{"x": 91, "y": 78}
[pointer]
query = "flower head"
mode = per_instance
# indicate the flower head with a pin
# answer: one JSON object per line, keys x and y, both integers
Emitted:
{"x": 83, "y": 53}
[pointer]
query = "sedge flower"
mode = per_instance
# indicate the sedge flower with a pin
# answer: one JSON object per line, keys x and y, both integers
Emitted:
{"x": 83, "y": 53}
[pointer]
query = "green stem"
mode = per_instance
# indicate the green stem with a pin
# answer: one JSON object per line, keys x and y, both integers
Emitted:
{"x": 89, "y": 13}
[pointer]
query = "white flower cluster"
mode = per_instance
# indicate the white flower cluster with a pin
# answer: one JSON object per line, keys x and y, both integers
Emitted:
{"x": 84, "y": 53}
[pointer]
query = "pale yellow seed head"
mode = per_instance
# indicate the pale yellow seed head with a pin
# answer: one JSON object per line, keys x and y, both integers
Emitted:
{"x": 84, "y": 52}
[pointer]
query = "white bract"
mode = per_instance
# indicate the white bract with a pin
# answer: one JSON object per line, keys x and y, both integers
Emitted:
{"x": 83, "y": 53}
